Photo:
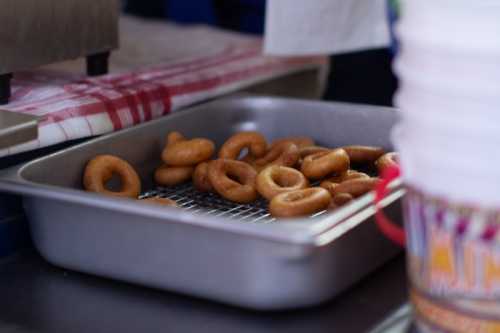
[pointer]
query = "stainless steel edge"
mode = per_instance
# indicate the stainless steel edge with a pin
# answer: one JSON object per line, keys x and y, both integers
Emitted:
{"x": 356, "y": 218}
{"x": 320, "y": 233}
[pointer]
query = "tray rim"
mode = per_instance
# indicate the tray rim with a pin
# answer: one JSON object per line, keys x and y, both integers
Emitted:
{"x": 301, "y": 231}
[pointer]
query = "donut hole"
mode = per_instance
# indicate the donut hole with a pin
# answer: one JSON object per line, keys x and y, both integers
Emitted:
{"x": 235, "y": 177}
{"x": 114, "y": 183}
{"x": 285, "y": 179}
{"x": 244, "y": 153}
{"x": 295, "y": 196}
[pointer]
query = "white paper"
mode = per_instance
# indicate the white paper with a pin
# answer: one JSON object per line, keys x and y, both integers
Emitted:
{"x": 307, "y": 27}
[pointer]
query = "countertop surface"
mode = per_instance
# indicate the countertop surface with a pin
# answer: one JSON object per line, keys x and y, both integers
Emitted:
{"x": 38, "y": 297}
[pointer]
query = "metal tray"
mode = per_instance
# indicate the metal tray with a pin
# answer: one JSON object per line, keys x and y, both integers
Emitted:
{"x": 210, "y": 248}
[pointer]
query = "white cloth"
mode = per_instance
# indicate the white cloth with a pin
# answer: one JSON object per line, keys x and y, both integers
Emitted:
{"x": 298, "y": 27}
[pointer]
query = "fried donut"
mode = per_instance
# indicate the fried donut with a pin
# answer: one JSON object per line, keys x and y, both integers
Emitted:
{"x": 319, "y": 165}
{"x": 300, "y": 202}
{"x": 277, "y": 179}
{"x": 285, "y": 154}
{"x": 200, "y": 178}
{"x": 386, "y": 160}
{"x": 101, "y": 169}
{"x": 160, "y": 201}
{"x": 341, "y": 199}
{"x": 306, "y": 151}
{"x": 363, "y": 154}
{"x": 331, "y": 183}
{"x": 299, "y": 141}
{"x": 174, "y": 137}
{"x": 221, "y": 173}
{"x": 253, "y": 141}
{"x": 356, "y": 187}
{"x": 170, "y": 176}
{"x": 349, "y": 174}
{"x": 188, "y": 152}
{"x": 329, "y": 186}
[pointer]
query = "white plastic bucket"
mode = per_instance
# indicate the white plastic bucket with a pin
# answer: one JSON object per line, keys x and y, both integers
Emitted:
{"x": 448, "y": 139}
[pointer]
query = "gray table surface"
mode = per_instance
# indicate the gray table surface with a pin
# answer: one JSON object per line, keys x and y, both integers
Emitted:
{"x": 38, "y": 297}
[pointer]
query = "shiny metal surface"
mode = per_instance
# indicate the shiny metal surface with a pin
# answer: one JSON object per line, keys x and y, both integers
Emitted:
{"x": 40, "y": 298}
{"x": 280, "y": 265}
{"x": 16, "y": 128}
{"x": 400, "y": 321}
{"x": 206, "y": 203}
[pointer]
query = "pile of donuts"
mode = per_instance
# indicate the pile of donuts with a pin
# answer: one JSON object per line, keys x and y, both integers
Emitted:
{"x": 281, "y": 172}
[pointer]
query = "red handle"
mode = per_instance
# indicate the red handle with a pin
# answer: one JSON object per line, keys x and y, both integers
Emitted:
{"x": 392, "y": 231}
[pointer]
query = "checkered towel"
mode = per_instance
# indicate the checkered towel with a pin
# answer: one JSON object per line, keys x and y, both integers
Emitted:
{"x": 73, "y": 107}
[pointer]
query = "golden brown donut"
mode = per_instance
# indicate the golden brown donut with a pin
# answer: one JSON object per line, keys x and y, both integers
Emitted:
{"x": 356, "y": 187}
{"x": 299, "y": 141}
{"x": 200, "y": 178}
{"x": 221, "y": 173}
{"x": 329, "y": 186}
{"x": 306, "y": 151}
{"x": 285, "y": 154}
{"x": 320, "y": 165}
{"x": 101, "y": 169}
{"x": 386, "y": 160}
{"x": 341, "y": 199}
{"x": 277, "y": 179}
{"x": 300, "y": 202}
{"x": 174, "y": 137}
{"x": 349, "y": 174}
{"x": 188, "y": 152}
{"x": 253, "y": 141}
{"x": 170, "y": 176}
{"x": 363, "y": 154}
{"x": 159, "y": 201}
{"x": 331, "y": 183}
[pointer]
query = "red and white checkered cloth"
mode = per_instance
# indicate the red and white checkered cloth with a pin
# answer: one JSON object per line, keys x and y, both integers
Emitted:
{"x": 76, "y": 107}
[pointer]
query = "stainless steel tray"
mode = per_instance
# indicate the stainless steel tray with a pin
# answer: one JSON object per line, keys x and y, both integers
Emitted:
{"x": 210, "y": 248}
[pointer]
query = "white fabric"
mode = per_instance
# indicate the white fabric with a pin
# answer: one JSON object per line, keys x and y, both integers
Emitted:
{"x": 298, "y": 27}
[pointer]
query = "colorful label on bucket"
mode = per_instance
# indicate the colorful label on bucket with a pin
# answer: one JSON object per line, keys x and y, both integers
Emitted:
{"x": 453, "y": 249}
{"x": 434, "y": 316}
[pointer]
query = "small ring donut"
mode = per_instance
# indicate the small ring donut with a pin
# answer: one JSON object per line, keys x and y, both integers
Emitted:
{"x": 174, "y": 137}
{"x": 277, "y": 179}
{"x": 356, "y": 187}
{"x": 300, "y": 202}
{"x": 285, "y": 154}
{"x": 363, "y": 154}
{"x": 299, "y": 141}
{"x": 253, "y": 141}
{"x": 319, "y": 165}
{"x": 386, "y": 160}
{"x": 160, "y": 201}
{"x": 170, "y": 176}
{"x": 306, "y": 151}
{"x": 200, "y": 178}
{"x": 221, "y": 173}
{"x": 188, "y": 152}
{"x": 349, "y": 174}
{"x": 101, "y": 169}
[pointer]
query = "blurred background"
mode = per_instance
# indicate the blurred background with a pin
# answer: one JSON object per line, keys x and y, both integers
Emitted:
{"x": 360, "y": 77}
